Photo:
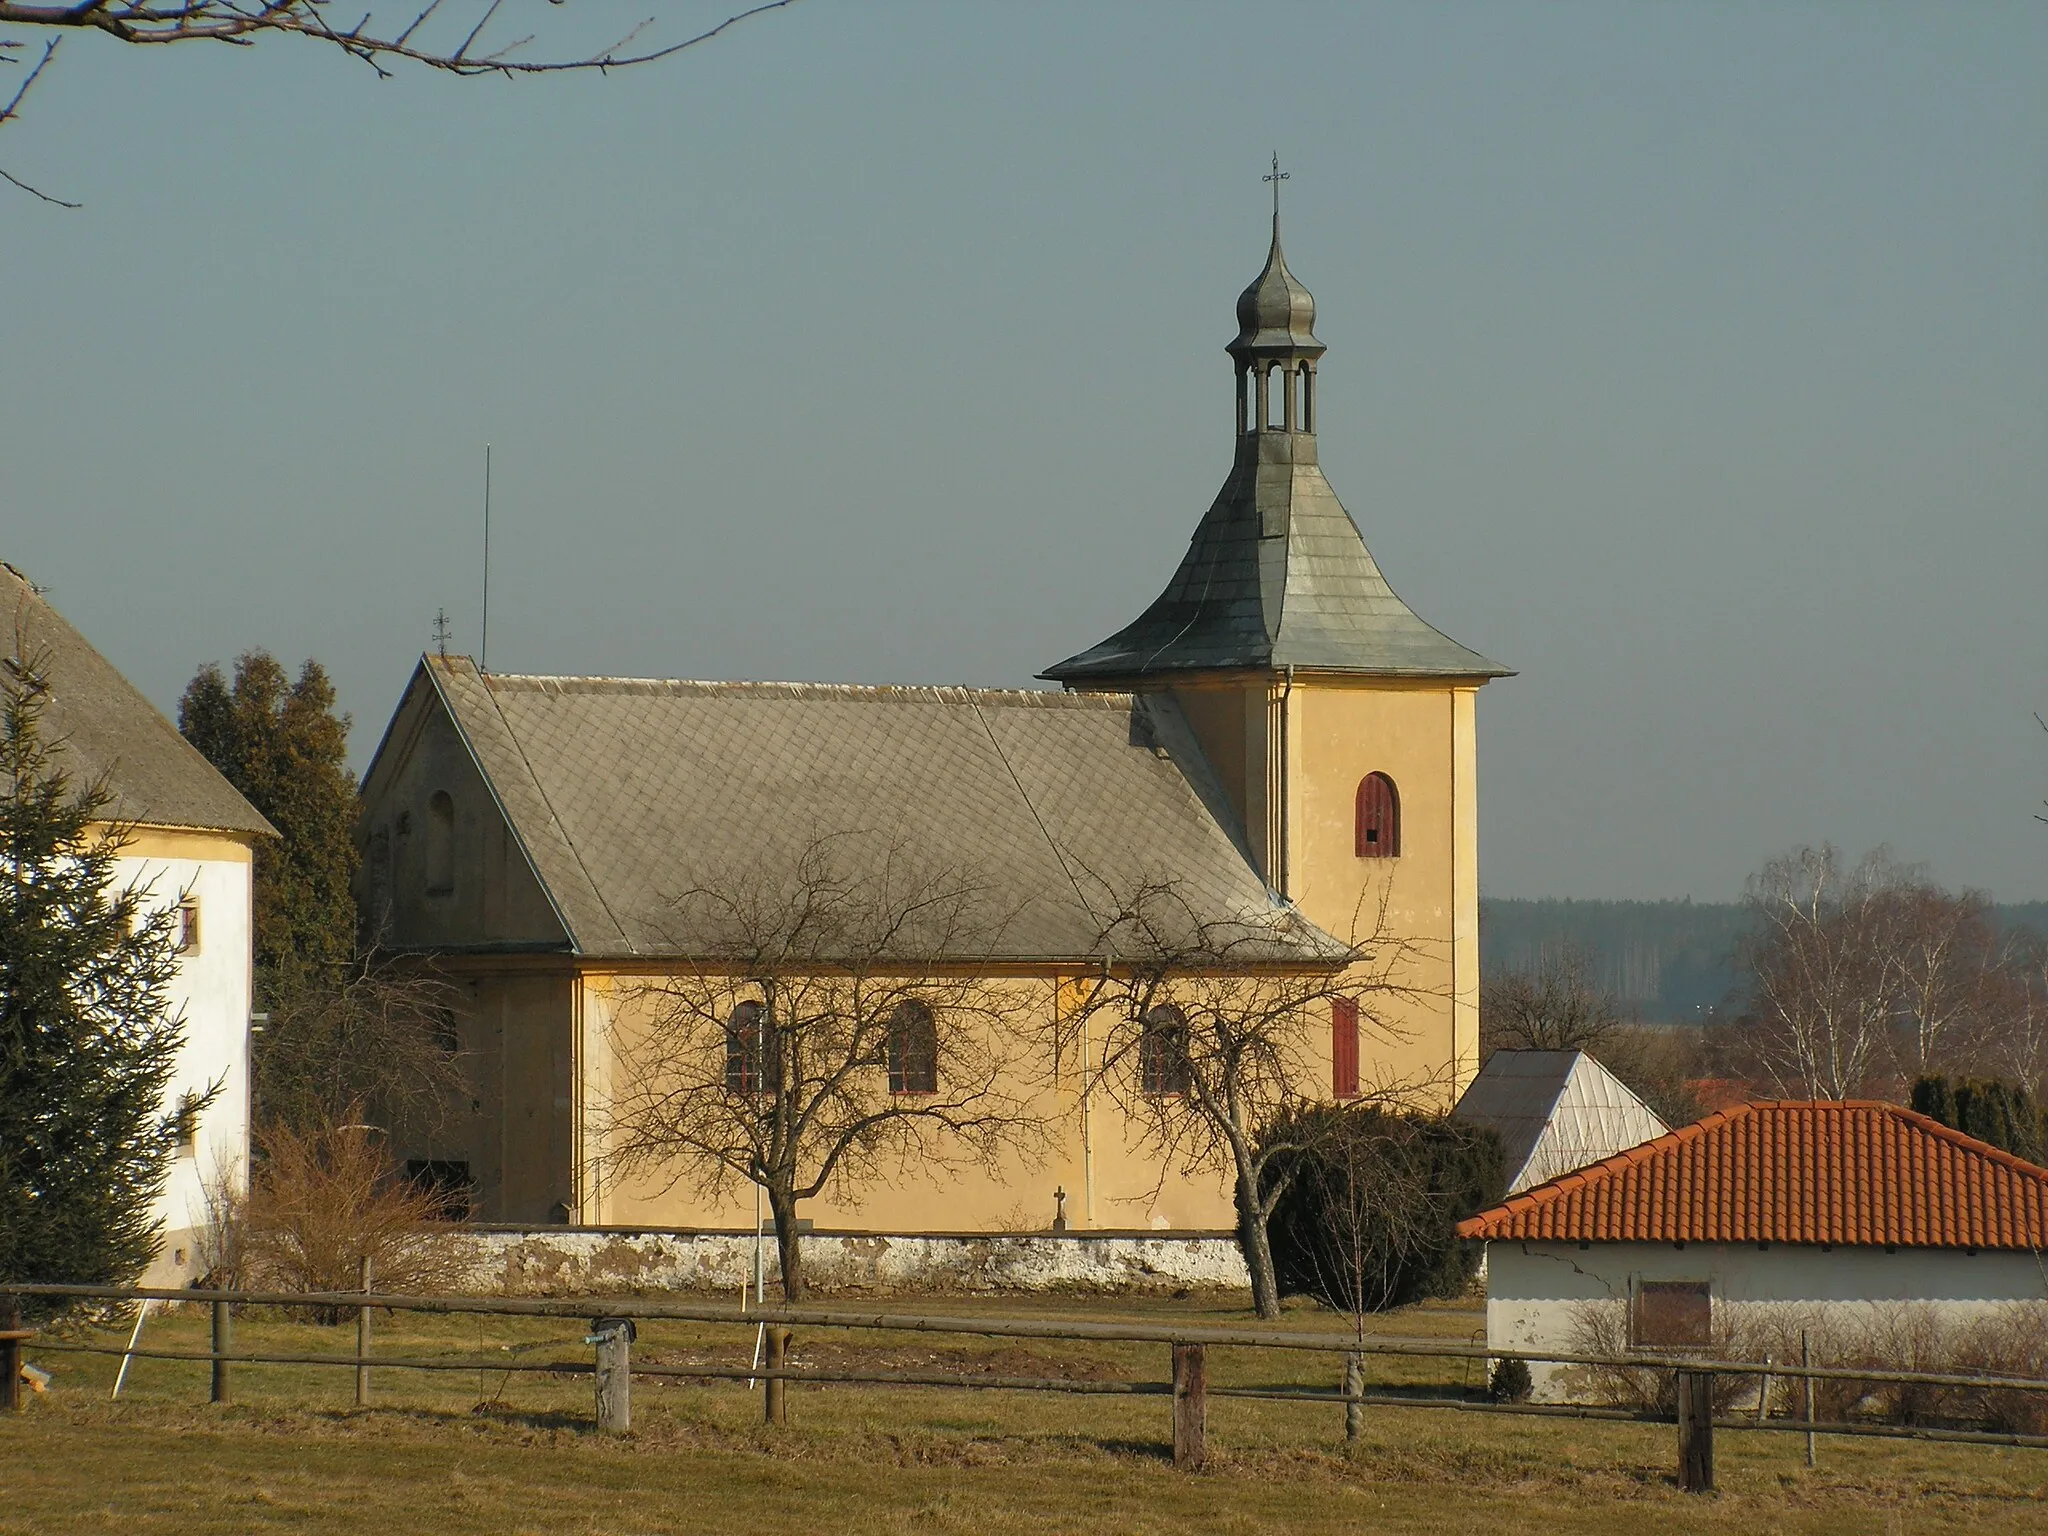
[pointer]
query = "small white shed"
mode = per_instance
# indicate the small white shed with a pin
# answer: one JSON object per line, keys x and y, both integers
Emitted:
{"x": 1555, "y": 1111}
{"x": 1862, "y": 1224}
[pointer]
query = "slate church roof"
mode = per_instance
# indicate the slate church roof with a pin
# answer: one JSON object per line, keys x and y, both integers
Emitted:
{"x": 1277, "y": 574}
{"x": 110, "y": 730}
{"x": 626, "y": 792}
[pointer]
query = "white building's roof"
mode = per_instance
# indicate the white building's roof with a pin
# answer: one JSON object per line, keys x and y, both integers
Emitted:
{"x": 1555, "y": 1111}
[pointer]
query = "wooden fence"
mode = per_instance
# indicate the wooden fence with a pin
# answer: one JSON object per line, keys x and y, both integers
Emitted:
{"x": 611, "y": 1335}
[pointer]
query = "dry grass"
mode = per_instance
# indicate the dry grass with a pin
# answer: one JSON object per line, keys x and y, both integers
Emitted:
{"x": 448, "y": 1455}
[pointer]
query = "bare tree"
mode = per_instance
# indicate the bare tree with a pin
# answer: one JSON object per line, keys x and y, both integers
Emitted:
{"x": 370, "y": 1036}
{"x": 1952, "y": 962}
{"x": 432, "y": 34}
{"x": 1214, "y": 1034}
{"x": 1863, "y": 978}
{"x": 1825, "y": 971}
{"x": 845, "y": 1023}
{"x": 1556, "y": 1005}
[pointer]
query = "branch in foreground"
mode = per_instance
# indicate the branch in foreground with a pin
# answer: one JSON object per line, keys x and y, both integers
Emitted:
{"x": 13, "y": 110}
{"x": 245, "y": 21}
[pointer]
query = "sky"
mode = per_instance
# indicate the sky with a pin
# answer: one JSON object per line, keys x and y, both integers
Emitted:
{"x": 1691, "y": 359}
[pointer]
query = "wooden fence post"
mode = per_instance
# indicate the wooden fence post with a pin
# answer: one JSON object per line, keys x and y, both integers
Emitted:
{"x": 1806, "y": 1358}
{"x": 1190, "y": 1407}
{"x": 613, "y": 1337}
{"x": 223, "y": 1342}
{"x": 363, "y": 1340}
{"x": 10, "y": 1353}
{"x": 776, "y": 1405}
{"x": 1354, "y": 1388}
{"x": 1696, "y": 1431}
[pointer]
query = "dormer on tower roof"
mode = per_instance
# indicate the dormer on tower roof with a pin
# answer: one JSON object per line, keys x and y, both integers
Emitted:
{"x": 1277, "y": 575}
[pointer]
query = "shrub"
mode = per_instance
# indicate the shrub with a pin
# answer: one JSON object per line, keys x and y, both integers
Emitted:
{"x": 1368, "y": 1218}
{"x": 321, "y": 1202}
{"x": 2002, "y": 1114}
{"x": 1511, "y": 1382}
{"x": 1601, "y": 1328}
{"x": 2011, "y": 1340}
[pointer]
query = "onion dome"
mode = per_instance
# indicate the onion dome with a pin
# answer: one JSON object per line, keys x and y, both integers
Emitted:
{"x": 1276, "y": 314}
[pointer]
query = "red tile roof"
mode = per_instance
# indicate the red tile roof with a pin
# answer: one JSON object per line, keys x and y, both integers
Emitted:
{"x": 1853, "y": 1173}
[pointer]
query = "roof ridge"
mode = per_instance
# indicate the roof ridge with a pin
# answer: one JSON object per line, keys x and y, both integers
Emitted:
{"x": 961, "y": 693}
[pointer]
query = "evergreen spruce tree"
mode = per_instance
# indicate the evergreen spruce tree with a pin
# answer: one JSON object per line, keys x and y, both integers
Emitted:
{"x": 347, "y": 1036}
{"x": 285, "y": 748}
{"x": 88, "y": 1038}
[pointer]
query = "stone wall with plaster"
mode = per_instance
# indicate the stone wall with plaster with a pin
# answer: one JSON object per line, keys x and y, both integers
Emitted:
{"x": 541, "y": 1261}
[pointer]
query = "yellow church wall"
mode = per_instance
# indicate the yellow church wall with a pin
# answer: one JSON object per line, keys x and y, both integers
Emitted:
{"x": 1422, "y": 738}
{"x": 1092, "y": 1151}
{"x": 1291, "y": 753}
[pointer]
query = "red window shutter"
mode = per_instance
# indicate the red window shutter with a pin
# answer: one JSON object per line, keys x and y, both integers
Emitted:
{"x": 1378, "y": 818}
{"x": 1344, "y": 1047}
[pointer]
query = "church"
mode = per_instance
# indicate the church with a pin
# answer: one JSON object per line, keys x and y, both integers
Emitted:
{"x": 1277, "y": 731}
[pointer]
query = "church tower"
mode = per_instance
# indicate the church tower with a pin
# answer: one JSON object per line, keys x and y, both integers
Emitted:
{"x": 1340, "y": 725}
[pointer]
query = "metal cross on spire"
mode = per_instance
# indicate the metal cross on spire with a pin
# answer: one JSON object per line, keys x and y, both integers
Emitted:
{"x": 1276, "y": 177}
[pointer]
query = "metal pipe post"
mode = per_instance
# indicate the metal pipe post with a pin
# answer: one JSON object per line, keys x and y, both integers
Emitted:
{"x": 613, "y": 1337}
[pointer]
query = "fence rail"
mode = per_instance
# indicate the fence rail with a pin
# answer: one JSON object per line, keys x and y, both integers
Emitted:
{"x": 612, "y": 1322}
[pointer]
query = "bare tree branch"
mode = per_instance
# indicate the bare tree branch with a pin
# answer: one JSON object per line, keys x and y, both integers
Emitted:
{"x": 13, "y": 110}
{"x": 845, "y": 1023}
{"x": 1213, "y": 1029}
{"x": 245, "y": 22}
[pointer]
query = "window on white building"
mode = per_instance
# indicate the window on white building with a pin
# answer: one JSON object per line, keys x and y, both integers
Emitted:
{"x": 188, "y": 1125}
{"x": 1672, "y": 1314}
{"x": 187, "y": 929}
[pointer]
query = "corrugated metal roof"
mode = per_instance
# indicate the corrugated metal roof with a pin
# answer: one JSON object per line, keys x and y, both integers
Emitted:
{"x": 628, "y": 792}
{"x": 1853, "y": 1173}
{"x": 1555, "y": 1111}
{"x": 157, "y": 777}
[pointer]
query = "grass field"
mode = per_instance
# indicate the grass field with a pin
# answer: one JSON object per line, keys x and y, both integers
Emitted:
{"x": 455, "y": 1453}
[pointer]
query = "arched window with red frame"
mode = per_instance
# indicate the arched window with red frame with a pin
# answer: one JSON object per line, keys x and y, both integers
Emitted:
{"x": 1379, "y": 818}
{"x": 746, "y": 1055}
{"x": 913, "y": 1049}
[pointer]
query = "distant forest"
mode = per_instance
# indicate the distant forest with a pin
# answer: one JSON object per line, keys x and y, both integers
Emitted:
{"x": 1669, "y": 961}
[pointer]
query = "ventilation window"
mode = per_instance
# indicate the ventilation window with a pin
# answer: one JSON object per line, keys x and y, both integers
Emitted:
{"x": 440, "y": 843}
{"x": 913, "y": 1049}
{"x": 1379, "y": 818}
{"x": 1163, "y": 1051}
{"x": 745, "y": 1054}
{"x": 441, "y": 1028}
{"x": 187, "y": 1124}
{"x": 1344, "y": 1047}
{"x": 186, "y": 930}
{"x": 1672, "y": 1314}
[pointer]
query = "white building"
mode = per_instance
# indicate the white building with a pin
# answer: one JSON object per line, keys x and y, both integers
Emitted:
{"x": 1745, "y": 1228}
{"x": 191, "y": 846}
{"x": 1555, "y": 1111}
